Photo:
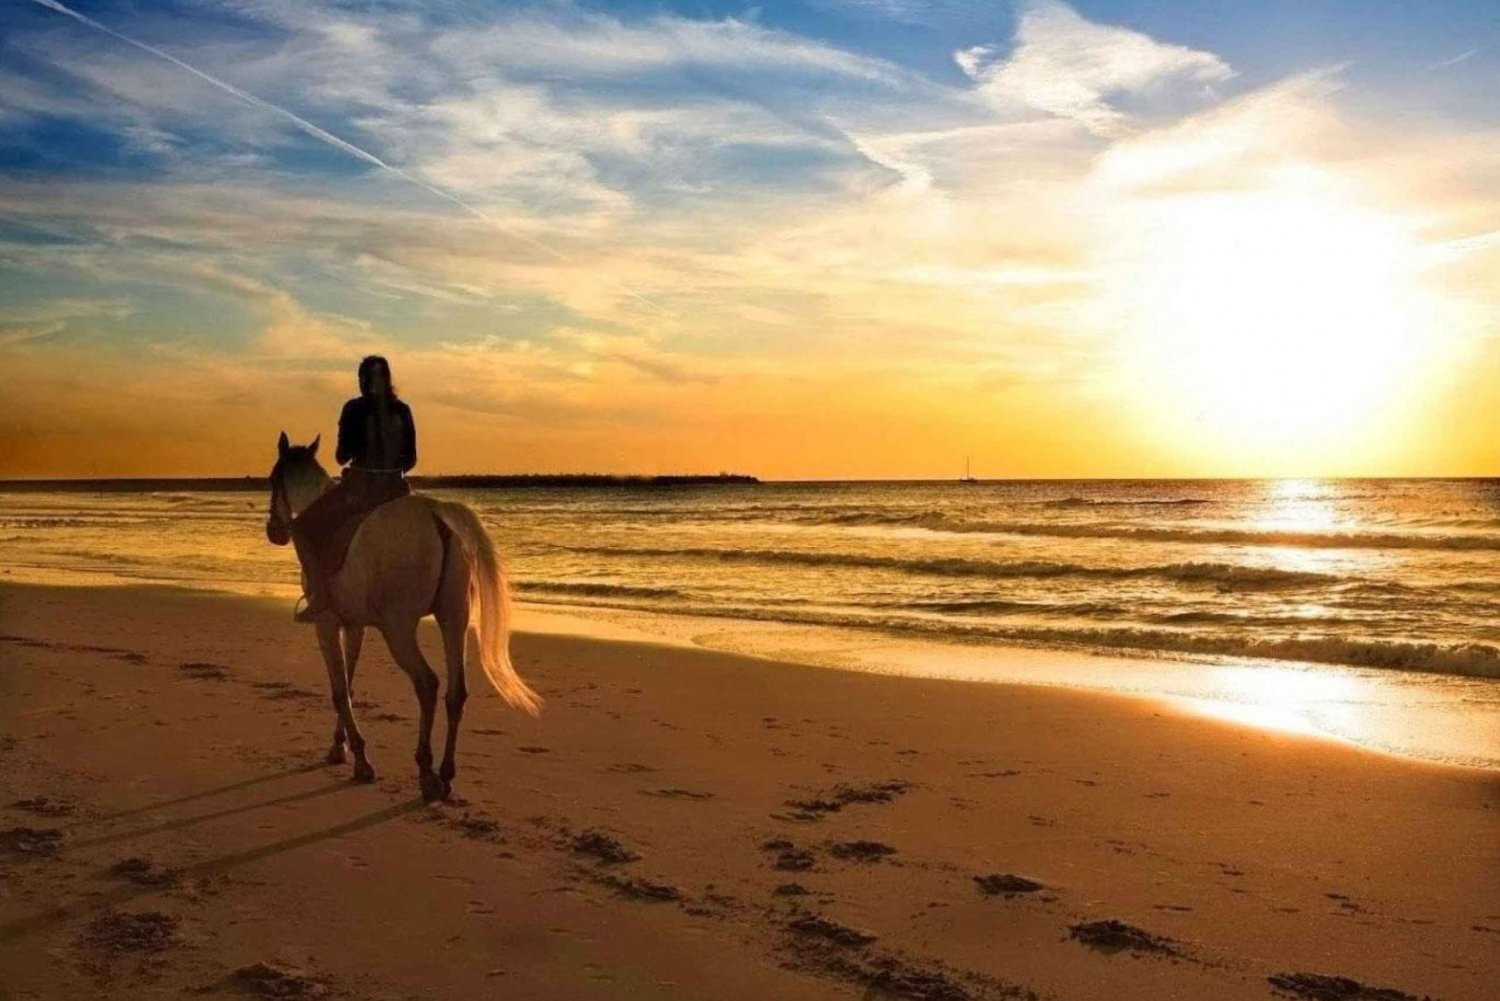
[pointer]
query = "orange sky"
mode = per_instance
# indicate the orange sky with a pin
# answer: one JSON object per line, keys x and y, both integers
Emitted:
{"x": 1084, "y": 250}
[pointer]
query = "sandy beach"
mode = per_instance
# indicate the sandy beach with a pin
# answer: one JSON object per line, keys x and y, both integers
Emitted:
{"x": 683, "y": 824}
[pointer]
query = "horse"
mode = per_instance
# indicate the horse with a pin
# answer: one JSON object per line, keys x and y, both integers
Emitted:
{"x": 411, "y": 557}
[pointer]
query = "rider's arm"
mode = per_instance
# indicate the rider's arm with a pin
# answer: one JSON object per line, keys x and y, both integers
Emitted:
{"x": 351, "y": 431}
{"x": 409, "y": 441}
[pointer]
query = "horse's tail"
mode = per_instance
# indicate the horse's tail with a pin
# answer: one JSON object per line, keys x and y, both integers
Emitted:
{"x": 489, "y": 604}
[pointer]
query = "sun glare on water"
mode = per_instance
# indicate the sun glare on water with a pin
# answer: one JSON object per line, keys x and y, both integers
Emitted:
{"x": 1271, "y": 318}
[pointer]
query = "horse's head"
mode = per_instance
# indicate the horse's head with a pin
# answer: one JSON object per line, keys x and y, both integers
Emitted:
{"x": 297, "y": 480}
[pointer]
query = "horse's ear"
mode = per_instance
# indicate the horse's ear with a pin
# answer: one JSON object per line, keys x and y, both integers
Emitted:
{"x": 282, "y": 445}
{"x": 313, "y": 448}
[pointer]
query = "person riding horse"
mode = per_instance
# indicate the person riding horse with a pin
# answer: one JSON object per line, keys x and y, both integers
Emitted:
{"x": 377, "y": 447}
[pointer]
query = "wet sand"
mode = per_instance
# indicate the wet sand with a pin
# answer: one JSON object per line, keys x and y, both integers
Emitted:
{"x": 681, "y": 824}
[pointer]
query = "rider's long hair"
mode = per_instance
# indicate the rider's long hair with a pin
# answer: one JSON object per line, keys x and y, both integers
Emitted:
{"x": 368, "y": 366}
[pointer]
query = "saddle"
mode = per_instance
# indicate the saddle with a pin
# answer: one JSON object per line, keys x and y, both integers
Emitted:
{"x": 366, "y": 493}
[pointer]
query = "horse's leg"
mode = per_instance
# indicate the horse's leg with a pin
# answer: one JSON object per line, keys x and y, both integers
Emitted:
{"x": 455, "y": 626}
{"x": 402, "y": 640}
{"x": 338, "y": 684}
{"x": 354, "y": 638}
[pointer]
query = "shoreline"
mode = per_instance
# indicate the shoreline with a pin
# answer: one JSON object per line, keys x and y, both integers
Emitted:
{"x": 1415, "y": 715}
{"x": 185, "y": 731}
{"x": 1423, "y": 716}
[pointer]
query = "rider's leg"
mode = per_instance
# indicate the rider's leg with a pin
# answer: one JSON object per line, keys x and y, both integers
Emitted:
{"x": 314, "y": 581}
{"x": 310, "y": 532}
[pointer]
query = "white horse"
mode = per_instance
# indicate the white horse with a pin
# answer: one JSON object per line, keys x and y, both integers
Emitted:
{"x": 412, "y": 557}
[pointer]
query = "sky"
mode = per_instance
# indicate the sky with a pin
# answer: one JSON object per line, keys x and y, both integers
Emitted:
{"x": 845, "y": 238}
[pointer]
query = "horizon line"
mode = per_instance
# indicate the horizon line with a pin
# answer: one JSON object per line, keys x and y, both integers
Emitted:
{"x": 23, "y": 481}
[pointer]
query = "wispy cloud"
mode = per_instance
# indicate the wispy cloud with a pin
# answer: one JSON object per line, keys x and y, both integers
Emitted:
{"x": 1067, "y": 66}
{"x": 1462, "y": 57}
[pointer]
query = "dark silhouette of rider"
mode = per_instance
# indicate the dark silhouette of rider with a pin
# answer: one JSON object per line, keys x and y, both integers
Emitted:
{"x": 377, "y": 448}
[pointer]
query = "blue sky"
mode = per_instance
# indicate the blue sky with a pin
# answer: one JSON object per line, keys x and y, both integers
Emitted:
{"x": 599, "y": 217}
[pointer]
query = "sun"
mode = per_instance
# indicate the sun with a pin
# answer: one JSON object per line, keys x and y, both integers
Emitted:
{"x": 1269, "y": 319}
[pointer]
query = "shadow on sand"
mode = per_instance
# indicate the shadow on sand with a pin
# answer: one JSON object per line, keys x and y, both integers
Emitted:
{"x": 209, "y": 867}
{"x": 203, "y": 818}
{"x": 285, "y": 773}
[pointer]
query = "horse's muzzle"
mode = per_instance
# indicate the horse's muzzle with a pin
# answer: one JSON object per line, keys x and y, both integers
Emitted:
{"x": 277, "y": 532}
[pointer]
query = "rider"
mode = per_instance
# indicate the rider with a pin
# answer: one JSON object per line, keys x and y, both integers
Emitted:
{"x": 377, "y": 447}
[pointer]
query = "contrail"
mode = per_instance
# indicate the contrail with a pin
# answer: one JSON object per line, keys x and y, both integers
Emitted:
{"x": 323, "y": 135}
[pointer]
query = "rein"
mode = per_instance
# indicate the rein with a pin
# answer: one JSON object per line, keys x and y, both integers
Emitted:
{"x": 278, "y": 525}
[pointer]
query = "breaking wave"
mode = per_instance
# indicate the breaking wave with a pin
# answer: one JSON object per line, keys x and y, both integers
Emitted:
{"x": 939, "y": 522}
{"x": 1471, "y": 659}
{"x": 593, "y": 589}
{"x": 1065, "y": 502}
{"x": 1230, "y": 576}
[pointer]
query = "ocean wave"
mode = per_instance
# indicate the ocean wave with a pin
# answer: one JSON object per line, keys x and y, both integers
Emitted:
{"x": 1477, "y": 586}
{"x": 1065, "y": 502}
{"x": 33, "y": 524}
{"x": 1227, "y": 576}
{"x": 1000, "y": 606}
{"x": 1468, "y": 659}
{"x": 597, "y": 589}
{"x": 53, "y": 523}
{"x": 1472, "y": 659}
{"x": 942, "y": 522}
{"x": 1251, "y": 619}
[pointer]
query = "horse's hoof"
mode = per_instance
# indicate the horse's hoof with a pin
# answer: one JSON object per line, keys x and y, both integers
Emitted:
{"x": 447, "y": 790}
{"x": 432, "y": 788}
{"x": 364, "y": 772}
{"x": 335, "y": 755}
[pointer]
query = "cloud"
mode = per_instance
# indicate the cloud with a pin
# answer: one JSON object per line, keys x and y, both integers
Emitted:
{"x": 1073, "y": 68}
{"x": 41, "y": 320}
{"x": 1237, "y": 142}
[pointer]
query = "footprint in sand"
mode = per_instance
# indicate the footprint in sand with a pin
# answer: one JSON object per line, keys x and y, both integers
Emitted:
{"x": 1006, "y": 885}
{"x": 642, "y": 889}
{"x": 42, "y": 806}
{"x": 265, "y": 980}
{"x": 860, "y": 851}
{"x": 141, "y": 872}
{"x": 1111, "y": 936}
{"x": 478, "y": 827}
{"x": 602, "y": 847}
{"x": 202, "y": 670}
{"x": 789, "y": 858}
{"x": 1319, "y": 987}
{"x": 119, "y": 932}
{"x": 45, "y": 842}
{"x": 814, "y": 926}
{"x": 817, "y": 807}
{"x": 675, "y": 793}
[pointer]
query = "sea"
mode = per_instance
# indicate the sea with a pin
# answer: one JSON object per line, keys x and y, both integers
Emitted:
{"x": 1390, "y": 585}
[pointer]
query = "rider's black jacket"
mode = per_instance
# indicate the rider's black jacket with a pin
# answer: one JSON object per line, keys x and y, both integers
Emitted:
{"x": 377, "y": 436}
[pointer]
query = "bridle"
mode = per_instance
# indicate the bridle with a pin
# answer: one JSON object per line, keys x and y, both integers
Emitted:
{"x": 279, "y": 517}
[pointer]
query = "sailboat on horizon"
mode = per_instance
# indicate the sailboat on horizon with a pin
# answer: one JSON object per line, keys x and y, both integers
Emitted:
{"x": 968, "y": 477}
